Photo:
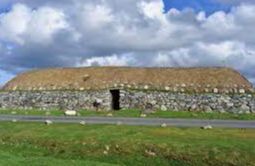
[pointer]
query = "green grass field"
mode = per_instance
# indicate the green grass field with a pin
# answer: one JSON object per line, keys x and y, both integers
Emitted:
{"x": 73, "y": 144}
{"x": 137, "y": 113}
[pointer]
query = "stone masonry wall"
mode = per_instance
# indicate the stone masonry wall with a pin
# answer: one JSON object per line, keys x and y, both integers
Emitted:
{"x": 55, "y": 99}
{"x": 129, "y": 99}
{"x": 208, "y": 102}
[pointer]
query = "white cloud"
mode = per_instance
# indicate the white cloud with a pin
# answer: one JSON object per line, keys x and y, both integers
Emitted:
{"x": 22, "y": 24}
{"x": 179, "y": 57}
{"x": 14, "y": 23}
{"x": 229, "y": 53}
{"x": 96, "y": 16}
{"x": 44, "y": 22}
{"x": 127, "y": 32}
{"x": 225, "y": 23}
{"x": 222, "y": 50}
{"x": 113, "y": 60}
{"x": 244, "y": 14}
{"x": 152, "y": 10}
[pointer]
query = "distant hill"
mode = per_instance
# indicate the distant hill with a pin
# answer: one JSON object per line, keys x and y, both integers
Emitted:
{"x": 102, "y": 77}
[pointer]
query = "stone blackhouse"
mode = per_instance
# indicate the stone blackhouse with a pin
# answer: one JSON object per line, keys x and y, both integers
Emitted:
{"x": 114, "y": 88}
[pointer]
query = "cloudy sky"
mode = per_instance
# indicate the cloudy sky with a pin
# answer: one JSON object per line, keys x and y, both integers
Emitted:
{"x": 170, "y": 33}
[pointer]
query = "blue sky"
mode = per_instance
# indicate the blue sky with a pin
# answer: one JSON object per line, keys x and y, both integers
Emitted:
{"x": 5, "y": 5}
{"x": 209, "y": 6}
{"x": 50, "y": 33}
{"x": 4, "y": 76}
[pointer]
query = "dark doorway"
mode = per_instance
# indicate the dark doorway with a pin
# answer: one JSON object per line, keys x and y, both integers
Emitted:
{"x": 115, "y": 99}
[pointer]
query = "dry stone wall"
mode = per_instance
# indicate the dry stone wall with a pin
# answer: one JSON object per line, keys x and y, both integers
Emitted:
{"x": 129, "y": 99}
{"x": 55, "y": 99}
{"x": 207, "y": 102}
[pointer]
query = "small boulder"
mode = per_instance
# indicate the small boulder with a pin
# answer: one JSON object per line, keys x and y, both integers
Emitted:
{"x": 99, "y": 101}
{"x": 220, "y": 109}
{"x": 107, "y": 147}
{"x": 153, "y": 102}
{"x": 143, "y": 115}
{"x": 150, "y": 153}
{"x": 253, "y": 109}
{"x": 70, "y": 113}
{"x": 109, "y": 115}
{"x": 245, "y": 108}
{"x": 242, "y": 91}
{"x": 215, "y": 90}
{"x": 229, "y": 104}
{"x": 208, "y": 109}
{"x": 183, "y": 85}
{"x": 193, "y": 107}
{"x": 247, "y": 112}
{"x": 163, "y": 108}
{"x": 226, "y": 91}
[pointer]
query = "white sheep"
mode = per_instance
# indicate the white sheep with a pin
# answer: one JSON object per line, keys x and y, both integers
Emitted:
{"x": 207, "y": 127}
{"x": 164, "y": 125}
{"x": 48, "y": 122}
{"x": 83, "y": 123}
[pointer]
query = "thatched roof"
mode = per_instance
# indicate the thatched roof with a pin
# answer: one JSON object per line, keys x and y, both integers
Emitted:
{"x": 107, "y": 77}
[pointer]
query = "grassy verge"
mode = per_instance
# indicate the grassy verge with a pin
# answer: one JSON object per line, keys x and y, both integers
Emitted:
{"x": 70, "y": 144}
{"x": 137, "y": 113}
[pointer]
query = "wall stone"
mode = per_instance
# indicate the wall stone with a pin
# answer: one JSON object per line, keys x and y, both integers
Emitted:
{"x": 207, "y": 102}
{"x": 55, "y": 99}
{"x": 129, "y": 99}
